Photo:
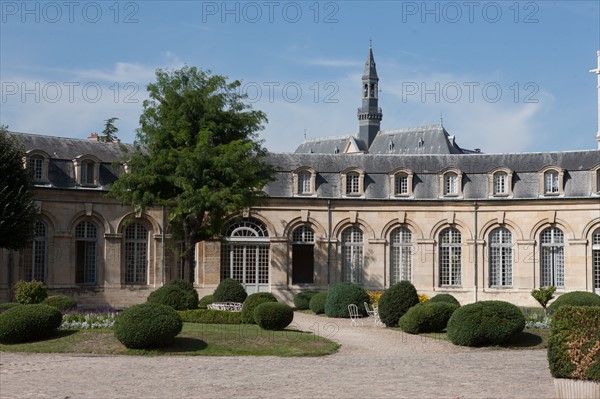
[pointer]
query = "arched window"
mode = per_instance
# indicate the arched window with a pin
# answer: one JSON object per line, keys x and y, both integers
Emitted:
{"x": 552, "y": 258}
{"x": 36, "y": 167}
{"x": 450, "y": 248}
{"x": 136, "y": 254}
{"x": 500, "y": 248}
{"x": 303, "y": 253}
{"x": 596, "y": 260}
{"x": 245, "y": 254}
{"x": 352, "y": 255}
{"x": 35, "y": 257}
{"x": 86, "y": 247}
{"x": 401, "y": 255}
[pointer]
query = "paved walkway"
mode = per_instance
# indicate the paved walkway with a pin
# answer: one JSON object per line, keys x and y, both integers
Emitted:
{"x": 373, "y": 362}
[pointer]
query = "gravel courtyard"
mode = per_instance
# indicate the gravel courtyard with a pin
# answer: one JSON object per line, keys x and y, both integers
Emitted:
{"x": 373, "y": 362}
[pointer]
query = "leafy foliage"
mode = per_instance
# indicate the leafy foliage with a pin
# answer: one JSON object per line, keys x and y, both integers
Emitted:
{"x": 574, "y": 343}
{"x": 395, "y": 301}
{"x": 60, "y": 302}
{"x": 202, "y": 159}
{"x": 341, "y": 295}
{"x": 445, "y": 298}
{"x": 210, "y": 316}
{"x": 543, "y": 295}
{"x": 29, "y": 292}
{"x": 110, "y": 130}
{"x": 175, "y": 297}
{"x": 7, "y": 305}
{"x": 230, "y": 290}
{"x": 317, "y": 303}
{"x": 273, "y": 316}
{"x": 251, "y": 302}
{"x": 29, "y": 323}
{"x": 205, "y": 301}
{"x": 17, "y": 209}
{"x": 302, "y": 299}
{"x": 575, "y": 298}
{"x": 427, "y": 317}
{"x": 147, "y": 325}
{"x": 485, "y": 323}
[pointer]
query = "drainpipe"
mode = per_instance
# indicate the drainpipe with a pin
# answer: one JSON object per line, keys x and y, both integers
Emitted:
{"x": 475, "y": 206}
{"x": 328, "y": 242}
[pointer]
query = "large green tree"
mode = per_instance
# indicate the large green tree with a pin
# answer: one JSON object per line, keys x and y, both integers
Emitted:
{"x": 200, "y": 156}
{"x": 17, "y": 209}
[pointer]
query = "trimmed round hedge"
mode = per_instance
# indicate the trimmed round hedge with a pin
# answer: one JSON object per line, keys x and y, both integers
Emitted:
{"x": 395, "y": 301}
{"x": 317, "y": 303}
{"x": 205, "y": 301}
{"x": 147, "y": 325}
{"x": 172, "y": 295}
{"x": 230, "y": 290}
{"x": 427, "y": 317}
{"x": 29, "y": 292}
{"x": 27, "y": 323}
{"x": 302, "y": 300}
{"x": 575, "y": 298}
{"x": 485, "y": 323}
{"x": 445, "y": 298}
{"x": 60, "y": 302}
{"x": 273, "y": 315}
{"x": 341, "y": 295}
{"x": 252, "y": 302}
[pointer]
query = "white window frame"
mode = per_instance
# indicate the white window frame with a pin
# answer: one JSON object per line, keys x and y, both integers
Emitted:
{"x": 353, "y": 182}
{"x": 494, "y": 177}
{"x": 500, "y": 256}
{"x": 398, "y": 189}
{"x": 401, "y": 248}
{"x": 304, "y": 181}
{"x": 42, "y": 159}
{"x": 552, "y": 257}
{"x": 35, "y": 255}
{"x": 596, "y": 180}
{"x": 596, "y": 260}
{"x": 552, "y": 181}
{"x": 82, "y": 165}
{"x": 136, "y": 249}
{"x": 87, "y": 232}
{"x": 450, "y": 258}
{"x": 451, "y": 183}
{"x": 352, "y": 239}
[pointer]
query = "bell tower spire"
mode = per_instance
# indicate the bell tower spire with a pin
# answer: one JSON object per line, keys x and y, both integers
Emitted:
{"x": 369, "y": 114}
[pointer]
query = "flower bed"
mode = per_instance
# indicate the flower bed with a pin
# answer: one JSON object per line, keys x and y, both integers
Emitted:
{"x": 85, "y": 320}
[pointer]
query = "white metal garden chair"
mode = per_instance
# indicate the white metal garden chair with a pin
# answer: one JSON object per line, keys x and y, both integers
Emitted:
{"x": 370, "y": 313}
{"x": 354, "y": 315}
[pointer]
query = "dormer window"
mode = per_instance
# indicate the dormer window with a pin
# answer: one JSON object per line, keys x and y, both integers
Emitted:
{"x": 551, "y": 181}
{"x": 500, "y": 182}
{"x": 451, "y": 183}
{"x": 353, "y": 182}
{"x": 304, "y": 181}
{"x": 401, "y": 182}
{"x": 596, "y": 180}
{"x": 87, "y": 170}
{"x": 37, "y": 163}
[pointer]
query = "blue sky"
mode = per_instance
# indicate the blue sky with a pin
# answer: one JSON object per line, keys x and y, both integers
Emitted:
{"x": 505, "y": 76}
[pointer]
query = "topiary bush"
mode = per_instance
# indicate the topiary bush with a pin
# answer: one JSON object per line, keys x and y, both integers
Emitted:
{"x": 317, "y": 303}
{"x": 574, "y": 343}
{"x": 27, "y": 323}
{"x": 7, "y": 305}
{"x": 273, "y": 315}
{"x": 175, "y": 297}
{"x": 205, "y": 301}
{"x": 485, "y": 323}
{"x": 445, "y": 298}
{"x": 395, "y": 301}
{"x": 147, "y": 325}
{"x": 60, "y": 302}
{"x": 252, "y": 302}
{"x": 427, "y": 317}
{"x": 210, "y": 316}
{"x": 29, "y": 292}
{"x": 230, "y": 290}
{"x": 302, "y": 300}
{"x": 575, "y": 298}
{"x": 340, "y": 295}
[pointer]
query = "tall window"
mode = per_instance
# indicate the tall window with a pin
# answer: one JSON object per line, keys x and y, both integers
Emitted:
{"x": 352, "y": 183}
{"x": 451, "y": 183}
{"x": 86, "y": 243}
{"x": 500, "y": 248}
{"x": 400, "y": 257}
{"x": 245, "y": 255}
{"x": 500, "y": 183}
{"x": 87, "y": 173}
{"x": 36, "y": 166}
{"x": 552, "y": 258}
{"x": 598, "y": 181}
{"x": 450, "y": 257}
{"x": 551, "y": 182}
{"x": 303, "y": 248}
{"x": 401, "y": 183}
{"x": 136, "y": 254}
{"x": 304, "y": 183}
{"x": 352, "y": 255}
{"x": 36, "y": 254}
{"x": 596, "y": 260}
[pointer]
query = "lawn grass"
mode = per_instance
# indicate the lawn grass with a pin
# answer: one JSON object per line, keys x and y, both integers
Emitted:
{"x": 530, "y": 338}
{"x": 194, "y": 340}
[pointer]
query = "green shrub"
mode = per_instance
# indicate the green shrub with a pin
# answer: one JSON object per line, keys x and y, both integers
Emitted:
{"x": 29, "y": 292}
{"x": 205, "y": 301}
{"x": 395, "y": 301}
{"x": 575, "y": 298}
{"x": 230, "y": 290}
{"x": 27, "y": 323}
{"x": 317, "y": 303}
{"x": 147, "y": 325}
{"x": 252, "y": 302}
{"x": 175, "y": 297}
{"x": 184, "y": 285}
{"x": 485, "y": 323}
{"x": 7, "y": 305}
{"x": 302, "y": 300}
{"x": 210, "y": 316}
{"x": 445, "y": 298}
{"x": 60, "y": 302}
{"x": 273, "y": 315}
{"x": 341, "y": 295}
{"x": 574, "y": 343}
{"x": 427, "y": 317}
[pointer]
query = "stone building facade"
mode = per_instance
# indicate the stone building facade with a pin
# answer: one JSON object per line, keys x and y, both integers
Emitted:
{"x": 375, "y": 208}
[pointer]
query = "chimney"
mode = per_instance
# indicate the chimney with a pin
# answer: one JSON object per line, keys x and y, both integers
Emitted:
{"x": 93, "y": 137}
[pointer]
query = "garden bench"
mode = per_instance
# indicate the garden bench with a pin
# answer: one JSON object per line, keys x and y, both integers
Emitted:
{"x": 228, "y": 306}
